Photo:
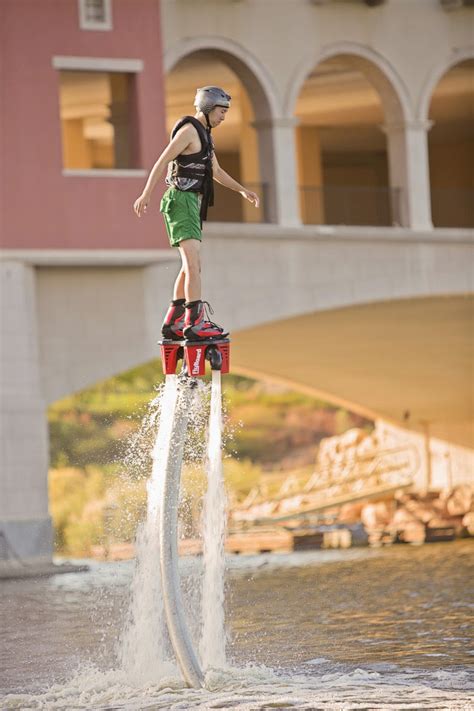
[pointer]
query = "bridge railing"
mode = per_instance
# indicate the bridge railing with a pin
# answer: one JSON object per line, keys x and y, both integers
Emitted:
{"x": 350, "y": 205}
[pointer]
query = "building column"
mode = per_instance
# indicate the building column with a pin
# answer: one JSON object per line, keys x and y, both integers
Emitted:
{"x": 25, "y": 524}
{"x": 276, "y": 140}
{"x": 407, "y": 144}
{"x": 310, "y": 175}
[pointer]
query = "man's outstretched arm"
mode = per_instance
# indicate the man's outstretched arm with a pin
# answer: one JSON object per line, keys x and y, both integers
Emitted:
{"x": 220, "y": 176}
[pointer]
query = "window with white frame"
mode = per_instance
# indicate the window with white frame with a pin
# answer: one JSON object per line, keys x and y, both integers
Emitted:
{"x": 95, "y": 14}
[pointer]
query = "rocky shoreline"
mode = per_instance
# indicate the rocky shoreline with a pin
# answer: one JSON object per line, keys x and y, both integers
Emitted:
{"x": 406, "y": 518}
{"x": 418, "y": 518}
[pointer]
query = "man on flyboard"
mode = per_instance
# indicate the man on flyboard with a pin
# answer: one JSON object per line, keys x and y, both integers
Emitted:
{"x": 192, "y": 168}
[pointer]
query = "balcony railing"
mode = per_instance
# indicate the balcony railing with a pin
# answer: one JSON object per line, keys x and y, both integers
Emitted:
{"x": 350, "y": 205}
{"x": 229, "y": 206}
{"x": 452, "y": 207}
{"x": 346, "y": 205}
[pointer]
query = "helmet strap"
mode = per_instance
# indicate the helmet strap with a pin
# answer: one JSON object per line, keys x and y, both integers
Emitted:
{"x": 209, "y": 127}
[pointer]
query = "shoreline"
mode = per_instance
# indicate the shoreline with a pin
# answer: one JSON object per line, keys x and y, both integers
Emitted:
{"x": 246, "y": 545}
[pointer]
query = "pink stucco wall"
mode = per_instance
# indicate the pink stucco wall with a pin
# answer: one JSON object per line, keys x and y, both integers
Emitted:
{"x": 40, "y": 207}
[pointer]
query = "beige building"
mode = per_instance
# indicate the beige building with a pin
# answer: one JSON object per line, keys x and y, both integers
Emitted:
{"x": 344, "y": 111}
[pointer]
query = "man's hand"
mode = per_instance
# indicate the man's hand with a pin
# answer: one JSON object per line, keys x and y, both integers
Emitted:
{"x": 140, "y": 205}
{"x": 251, "y": 197}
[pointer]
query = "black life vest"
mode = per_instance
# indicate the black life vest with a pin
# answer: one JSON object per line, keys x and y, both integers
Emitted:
{"x": 193, "y": 172}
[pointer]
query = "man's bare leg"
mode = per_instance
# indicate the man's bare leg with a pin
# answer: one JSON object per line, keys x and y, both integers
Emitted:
{"x": 189, "y": 250}
{"x": 196, "y": 325}
{"x": 187, "y": 288}
{"x": 178, "y": 290}
{"x": 174, "y": 320}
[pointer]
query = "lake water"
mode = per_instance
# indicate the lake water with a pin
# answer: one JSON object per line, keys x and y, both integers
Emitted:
{"x": 388, "y": 628}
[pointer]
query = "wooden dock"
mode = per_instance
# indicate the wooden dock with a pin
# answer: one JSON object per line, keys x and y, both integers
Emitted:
{"x": 264, "y": 541}
{"x": 255, "y": 541}
{"x": 275, "y": 541}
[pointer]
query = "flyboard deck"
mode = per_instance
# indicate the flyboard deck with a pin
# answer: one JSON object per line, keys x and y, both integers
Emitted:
{"x": 194, "y": 355}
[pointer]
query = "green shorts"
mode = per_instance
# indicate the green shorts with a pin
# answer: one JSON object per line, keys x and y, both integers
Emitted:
{"x": 181, "y": 213}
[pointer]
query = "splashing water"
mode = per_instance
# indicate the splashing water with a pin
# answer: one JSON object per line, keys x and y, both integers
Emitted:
{"x": 212, "y": 646}
{"x": 145, "y": 653}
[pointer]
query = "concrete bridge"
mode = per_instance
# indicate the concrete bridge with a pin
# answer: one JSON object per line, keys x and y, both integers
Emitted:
{"x": 377, "y": 320}
{"x": 374, "y": 318}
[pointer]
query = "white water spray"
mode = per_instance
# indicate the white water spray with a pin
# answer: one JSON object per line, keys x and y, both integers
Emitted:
{"x": 212, "y": 646}
{"x": 145, "y": 654}
{"x": 156, "y": 612}
{"x": 168, "y": 525}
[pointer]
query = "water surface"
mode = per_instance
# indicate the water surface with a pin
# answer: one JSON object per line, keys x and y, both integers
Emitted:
{"x": 388, "y": 628}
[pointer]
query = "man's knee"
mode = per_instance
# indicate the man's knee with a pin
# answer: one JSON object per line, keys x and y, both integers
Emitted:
{"x": 194, "y": 262}
{"x": 191, "y": 258}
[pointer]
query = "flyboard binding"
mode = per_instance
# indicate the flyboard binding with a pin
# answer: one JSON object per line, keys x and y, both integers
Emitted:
{"x": 194, "y": 355}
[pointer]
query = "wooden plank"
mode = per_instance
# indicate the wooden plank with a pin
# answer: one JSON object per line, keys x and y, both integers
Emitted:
{"x": 245, "y": 542}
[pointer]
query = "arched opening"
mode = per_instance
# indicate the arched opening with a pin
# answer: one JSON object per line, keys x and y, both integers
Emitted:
{"x": 343, "y": 161}
{"x": 451, "y": 147}
{"x": 236, "y": 141}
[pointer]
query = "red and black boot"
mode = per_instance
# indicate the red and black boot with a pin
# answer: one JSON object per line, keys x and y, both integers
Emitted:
{"x": 197, "y": 326}
{"x": 173, "y": 324}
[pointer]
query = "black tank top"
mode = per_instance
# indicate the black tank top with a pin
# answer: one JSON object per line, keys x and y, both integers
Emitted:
{"x": 193, "y": 172}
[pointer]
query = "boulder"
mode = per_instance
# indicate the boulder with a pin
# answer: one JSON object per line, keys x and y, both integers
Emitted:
{"x": 460, "y": 501}
{"x": 375, "y": 516}
{"x": 468, "y": 522}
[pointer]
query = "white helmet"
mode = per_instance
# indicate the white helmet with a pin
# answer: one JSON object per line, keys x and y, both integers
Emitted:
{"x": 209, "y": 97}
